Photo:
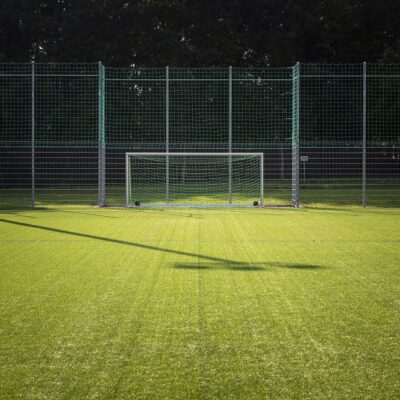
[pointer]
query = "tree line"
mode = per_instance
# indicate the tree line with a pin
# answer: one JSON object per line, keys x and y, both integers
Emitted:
{"x": 200, "y": 33}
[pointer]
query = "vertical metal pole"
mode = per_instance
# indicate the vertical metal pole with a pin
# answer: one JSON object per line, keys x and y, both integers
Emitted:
{"x": 127, "y": 180}
{"x": 104, "y": 135}
{"x": 167, "y": 134}
{"x": 364, "y": 141}
{"x": 296, "y": 135}
{"x": 230, "y": 134}
{"x": 33, "y": 132}
{"x": 262, "y": 180}
{"x": 101, "y": 139}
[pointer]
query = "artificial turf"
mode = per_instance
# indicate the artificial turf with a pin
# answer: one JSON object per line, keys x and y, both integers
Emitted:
{"x": 200, "y": 304}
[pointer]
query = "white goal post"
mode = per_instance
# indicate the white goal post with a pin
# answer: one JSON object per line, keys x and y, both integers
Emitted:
{"x": 187, "y": 179}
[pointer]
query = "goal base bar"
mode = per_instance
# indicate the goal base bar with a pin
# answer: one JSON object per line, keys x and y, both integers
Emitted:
{"x": 192, "y": 205}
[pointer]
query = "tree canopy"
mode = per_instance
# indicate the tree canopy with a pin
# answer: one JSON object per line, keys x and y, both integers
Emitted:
{"x": 200, "y": 33}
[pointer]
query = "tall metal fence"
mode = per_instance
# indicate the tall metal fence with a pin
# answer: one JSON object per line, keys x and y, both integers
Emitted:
{"x": 330, "y": 134}
{"x": 350, "y": 132}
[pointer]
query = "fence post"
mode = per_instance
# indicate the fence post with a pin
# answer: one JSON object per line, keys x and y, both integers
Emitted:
{"x": 167, "y": 134}
{"x": 296, "y": 135}
{"x": 33, "y": 133}
{"x": 102, "y": 144}
{"x": 364, "y": 141}
{"x": 127, "y": 180}
{"x": 262, "y": 180}
{"x": 230, "y": 134}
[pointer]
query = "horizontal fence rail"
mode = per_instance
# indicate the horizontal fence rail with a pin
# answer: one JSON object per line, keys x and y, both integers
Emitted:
{"x": 330, "y": 134}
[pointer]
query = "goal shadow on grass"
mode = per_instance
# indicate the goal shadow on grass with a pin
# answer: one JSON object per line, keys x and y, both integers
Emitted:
{"x": 243, "y": 266}
{"x": 168, "y": 212}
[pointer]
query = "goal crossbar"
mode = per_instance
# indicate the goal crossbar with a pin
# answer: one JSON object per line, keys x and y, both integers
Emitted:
{"x": 168, "y": 155}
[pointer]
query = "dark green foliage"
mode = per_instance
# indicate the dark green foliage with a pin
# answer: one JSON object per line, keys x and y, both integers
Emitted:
{"x": 199, "y": 33}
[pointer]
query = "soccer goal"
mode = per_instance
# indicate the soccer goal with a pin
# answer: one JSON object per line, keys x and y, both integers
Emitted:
{"x": 194, "y": 179}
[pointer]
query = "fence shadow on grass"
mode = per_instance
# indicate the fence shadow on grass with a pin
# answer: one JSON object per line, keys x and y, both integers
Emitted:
{"x": 243, "y": 266}
{"x": 20, "y": 212}
{"x": 207, "y": 262}
{"x": 354, "y": 211}
{"x": 16, "y": 213}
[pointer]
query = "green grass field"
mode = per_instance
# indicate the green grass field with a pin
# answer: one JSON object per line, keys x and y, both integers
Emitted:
{"x": 200, "y": 304}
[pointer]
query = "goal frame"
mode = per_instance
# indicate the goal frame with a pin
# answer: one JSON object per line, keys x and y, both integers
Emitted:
{"x": 193, "y": 154}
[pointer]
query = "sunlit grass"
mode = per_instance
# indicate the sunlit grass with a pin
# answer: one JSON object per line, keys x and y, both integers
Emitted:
{"x": 200, "y": 304}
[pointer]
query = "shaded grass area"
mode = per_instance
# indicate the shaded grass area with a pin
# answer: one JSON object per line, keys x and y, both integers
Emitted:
{"x": 200, "y": 304}
{"x": 313, "y": 192}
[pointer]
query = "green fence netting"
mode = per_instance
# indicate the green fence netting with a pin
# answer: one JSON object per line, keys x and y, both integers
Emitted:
{"x": 329, "y": 133}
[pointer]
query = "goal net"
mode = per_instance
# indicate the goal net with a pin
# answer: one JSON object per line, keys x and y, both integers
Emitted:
{"x": 194, "y": 179}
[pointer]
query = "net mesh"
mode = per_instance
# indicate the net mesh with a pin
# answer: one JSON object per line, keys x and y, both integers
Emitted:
{"x": 15, "y": 135}
{"x": 65, "y": 128}
{"x": 198, "y": 109}
{"x": 262, "y": 118}
{"x": 66, "y": 135}
{"x": 201, "y": 179}
{"x": 331, "y": 132}
{"x": 383, "y": 135}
